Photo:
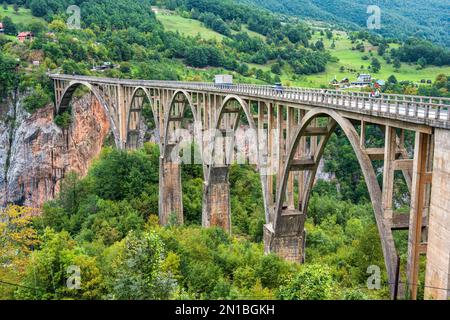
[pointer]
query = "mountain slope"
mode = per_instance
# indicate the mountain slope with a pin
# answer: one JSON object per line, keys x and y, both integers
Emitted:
{"x": 399, "y": 18}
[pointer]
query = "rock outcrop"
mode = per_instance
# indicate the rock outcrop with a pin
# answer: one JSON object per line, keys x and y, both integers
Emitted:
{"x": 35, "y": 153}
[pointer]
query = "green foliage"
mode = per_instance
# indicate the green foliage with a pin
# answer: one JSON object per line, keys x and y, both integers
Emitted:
{"x": 9, "y": 26}
{"x": 37, "y": 99}
{"x": 247, "y": 202}
{"x": 375, "y": 65}
{"x": 400, "y": 20}
{"x": 49, "y": 271}
{"x": 64, "y": 120}
{"x": 8, "y": 76}
{"x": 414, "y": 50}
{"x": 136, "y": 272}
{"x": 122, "y": 175}
{"x": 312, "y": 282}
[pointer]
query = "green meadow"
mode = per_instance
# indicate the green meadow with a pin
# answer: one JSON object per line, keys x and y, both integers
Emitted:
{"x": 23, "y": 16}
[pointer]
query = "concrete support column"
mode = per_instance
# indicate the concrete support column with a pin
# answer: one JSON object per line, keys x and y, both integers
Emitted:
{"x": 417, "y": 211}
{"x": 287, "y": 239}
{"x": 437, "y": 279}
{"x": 388, "y": 172}
{"x": 216, "y": 200}
{"x": 170, "y": 192}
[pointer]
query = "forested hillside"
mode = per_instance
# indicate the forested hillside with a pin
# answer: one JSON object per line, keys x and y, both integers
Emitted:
{"x": 399, "y": 18}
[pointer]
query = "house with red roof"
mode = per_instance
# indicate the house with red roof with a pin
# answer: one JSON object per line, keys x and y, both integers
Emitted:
{"x": 26, "y": 35}
{"x": 2, "y": 29}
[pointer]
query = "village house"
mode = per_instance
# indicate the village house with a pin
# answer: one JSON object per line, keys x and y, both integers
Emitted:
{"x": 27, "y": 35}
{"x": 2, "y": 29}
{"x": 363, "y": 80}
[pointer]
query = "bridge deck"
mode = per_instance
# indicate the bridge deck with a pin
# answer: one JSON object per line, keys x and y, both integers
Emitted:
{"x": 430, "y": 111}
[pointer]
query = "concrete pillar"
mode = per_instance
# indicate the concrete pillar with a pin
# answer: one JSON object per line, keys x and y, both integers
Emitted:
{"x": 216, "y": 200}
{"x": 287, "y": 239}
{"x": 417, "y": 211}
{"x": 437, "y": 279}
{"x": 388, "y": 172}
{"x": 170, "y": 192}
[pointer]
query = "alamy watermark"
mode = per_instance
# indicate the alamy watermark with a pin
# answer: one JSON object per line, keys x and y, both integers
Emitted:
{"x": 74, "y": 20}
{"x": 225, "y": 147}
{"x": 374, "y": 20}
{"x": 374, "y": 280}
{"x": 74, "y": 277}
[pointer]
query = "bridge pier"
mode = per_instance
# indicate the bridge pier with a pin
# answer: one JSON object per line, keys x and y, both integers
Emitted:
{"x": 437, "y": 279}
{"x": 216, "y": 199}
{"x": 170, "y": 192}
{"x": 288, "y": 242}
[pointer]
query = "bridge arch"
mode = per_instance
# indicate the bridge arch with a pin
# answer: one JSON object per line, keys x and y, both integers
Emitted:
{"x": 216, "y": 194}
{"x": 279, "y": 223}
{"x": 139, "y": 97}
{"x": 66, "y": 98}
{"x": 177, "y": 115}
{"x": 170, "y": 186}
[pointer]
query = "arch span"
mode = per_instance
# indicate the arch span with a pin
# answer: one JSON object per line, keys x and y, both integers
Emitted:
{"x": 216, "y": 194}
{"x": 170, "y": 187}
{"x": 187, "y": 100}
{"x": 365, "y": 163}
{"x": 67, "y": 96}
{"x": 134, "y": 116}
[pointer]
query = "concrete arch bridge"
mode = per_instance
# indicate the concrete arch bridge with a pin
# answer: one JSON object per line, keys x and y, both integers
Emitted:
{"x": 289, "y": 130}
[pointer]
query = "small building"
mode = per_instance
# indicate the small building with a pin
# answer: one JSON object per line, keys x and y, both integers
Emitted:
{"x": 363, "y": 80}
{"x": 2, "y": 28}
{"x": 26, "y": 35}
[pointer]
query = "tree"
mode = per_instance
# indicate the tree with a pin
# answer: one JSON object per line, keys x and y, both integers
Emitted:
{"x": 197, "y": 57}
{"x": 312, "y": 282}
{"x": 329, "y": 34}
{"x": 121, "y": 175}
{"x": 397, "y": 64}
{"x": 8, "y": 74}
{"x": 16, "y": 8}
{"x": 276, "y": 68}
{"x": 37, "y": 99}
{"x": 382, "y": 49}
{"x": 39, "y": 8}
{"x": 17, "y": 232}
{"x": 51, "y": 267}
{"x": 5, "y": 6}
{"x": 422, "y": 62}
{"x": 319, "y": 45}
{"x": 9, "y": 26}
{"x": 375, "y": 65}
{"x": 138, "y": 269}
{"x": 392, "y": 79}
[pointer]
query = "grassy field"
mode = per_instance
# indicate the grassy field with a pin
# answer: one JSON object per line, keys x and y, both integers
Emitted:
{"x": 187, "y": 27}
{"x": 352, "y": 59}
{"x": 191, "y": 27}
{"x": 23, "y": 16}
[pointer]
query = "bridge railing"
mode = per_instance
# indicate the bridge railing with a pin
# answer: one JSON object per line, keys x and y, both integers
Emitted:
{"x": 402, "y": 106}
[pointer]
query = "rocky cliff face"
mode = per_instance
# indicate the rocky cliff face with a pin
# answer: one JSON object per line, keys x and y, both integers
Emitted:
{"x": 35, "y": 153}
